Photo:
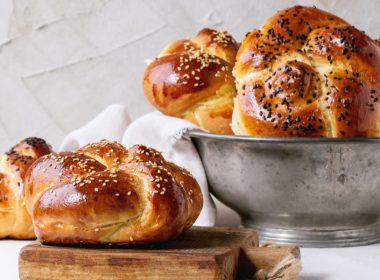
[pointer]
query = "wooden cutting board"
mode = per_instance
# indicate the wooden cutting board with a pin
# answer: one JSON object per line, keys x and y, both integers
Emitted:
{"x": 200, "y": 253}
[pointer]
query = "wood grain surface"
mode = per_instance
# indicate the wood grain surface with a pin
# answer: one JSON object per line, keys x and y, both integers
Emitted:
{"x": 200, "y": 253}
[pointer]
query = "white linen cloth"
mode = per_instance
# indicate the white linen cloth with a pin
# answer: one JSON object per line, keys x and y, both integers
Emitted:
{"x": 155, "y": 130}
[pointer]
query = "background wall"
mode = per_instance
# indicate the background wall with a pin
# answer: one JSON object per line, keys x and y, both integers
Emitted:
{"x": 5, "y": 13}
{"x": 66, "y": 60}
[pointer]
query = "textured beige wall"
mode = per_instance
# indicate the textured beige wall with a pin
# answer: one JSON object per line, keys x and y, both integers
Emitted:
{"x": 66, "y": 60}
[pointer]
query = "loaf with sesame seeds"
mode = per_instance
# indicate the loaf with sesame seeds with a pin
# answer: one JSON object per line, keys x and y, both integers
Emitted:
{"x": 104, "y": 193}
{"x": 192, "y": 79}
{"x": 306, "y": 72}
{"x": 15, "y": 222}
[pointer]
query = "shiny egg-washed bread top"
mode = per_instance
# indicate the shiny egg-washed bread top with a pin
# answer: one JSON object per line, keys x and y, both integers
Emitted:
{"x": 106, "y": 194}
{"x": 306, "y": 72}
{"x": 192, "y": 79}
{"x": 15, "y": 222}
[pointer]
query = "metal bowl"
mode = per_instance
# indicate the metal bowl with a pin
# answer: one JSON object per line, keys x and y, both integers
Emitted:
{"x": 313, "y": 192}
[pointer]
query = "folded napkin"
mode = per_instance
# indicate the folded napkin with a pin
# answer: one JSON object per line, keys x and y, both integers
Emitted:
{"x": 155, "y": 130}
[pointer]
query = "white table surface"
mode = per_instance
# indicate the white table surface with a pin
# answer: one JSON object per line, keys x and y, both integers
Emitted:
{"x": 359, "y": 263}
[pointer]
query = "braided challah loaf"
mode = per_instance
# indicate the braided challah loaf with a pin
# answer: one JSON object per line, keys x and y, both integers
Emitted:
{"x": 192, "y": 79}
{"x": 307, "y": 73}
{"x": 104, "y": 193}
{"x": 15, "y": 221}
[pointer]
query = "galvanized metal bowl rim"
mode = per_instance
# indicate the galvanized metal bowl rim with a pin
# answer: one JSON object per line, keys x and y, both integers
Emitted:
{"x": 284, "y": 140}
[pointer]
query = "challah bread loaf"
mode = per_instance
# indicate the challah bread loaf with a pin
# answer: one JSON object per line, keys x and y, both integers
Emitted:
{"x": 15, "y": 221}
{"x": 192, "y": 79}
{"x": 307, "y": 72}
{"x": 106, "y": 194}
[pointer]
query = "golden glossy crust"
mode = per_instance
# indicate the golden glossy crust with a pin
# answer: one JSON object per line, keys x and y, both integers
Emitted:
{"x": 15, "y": 222}
{"x": 307, "y": 72}
{"x": 106, "y": 194}
{"x": 192, "y": 79}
